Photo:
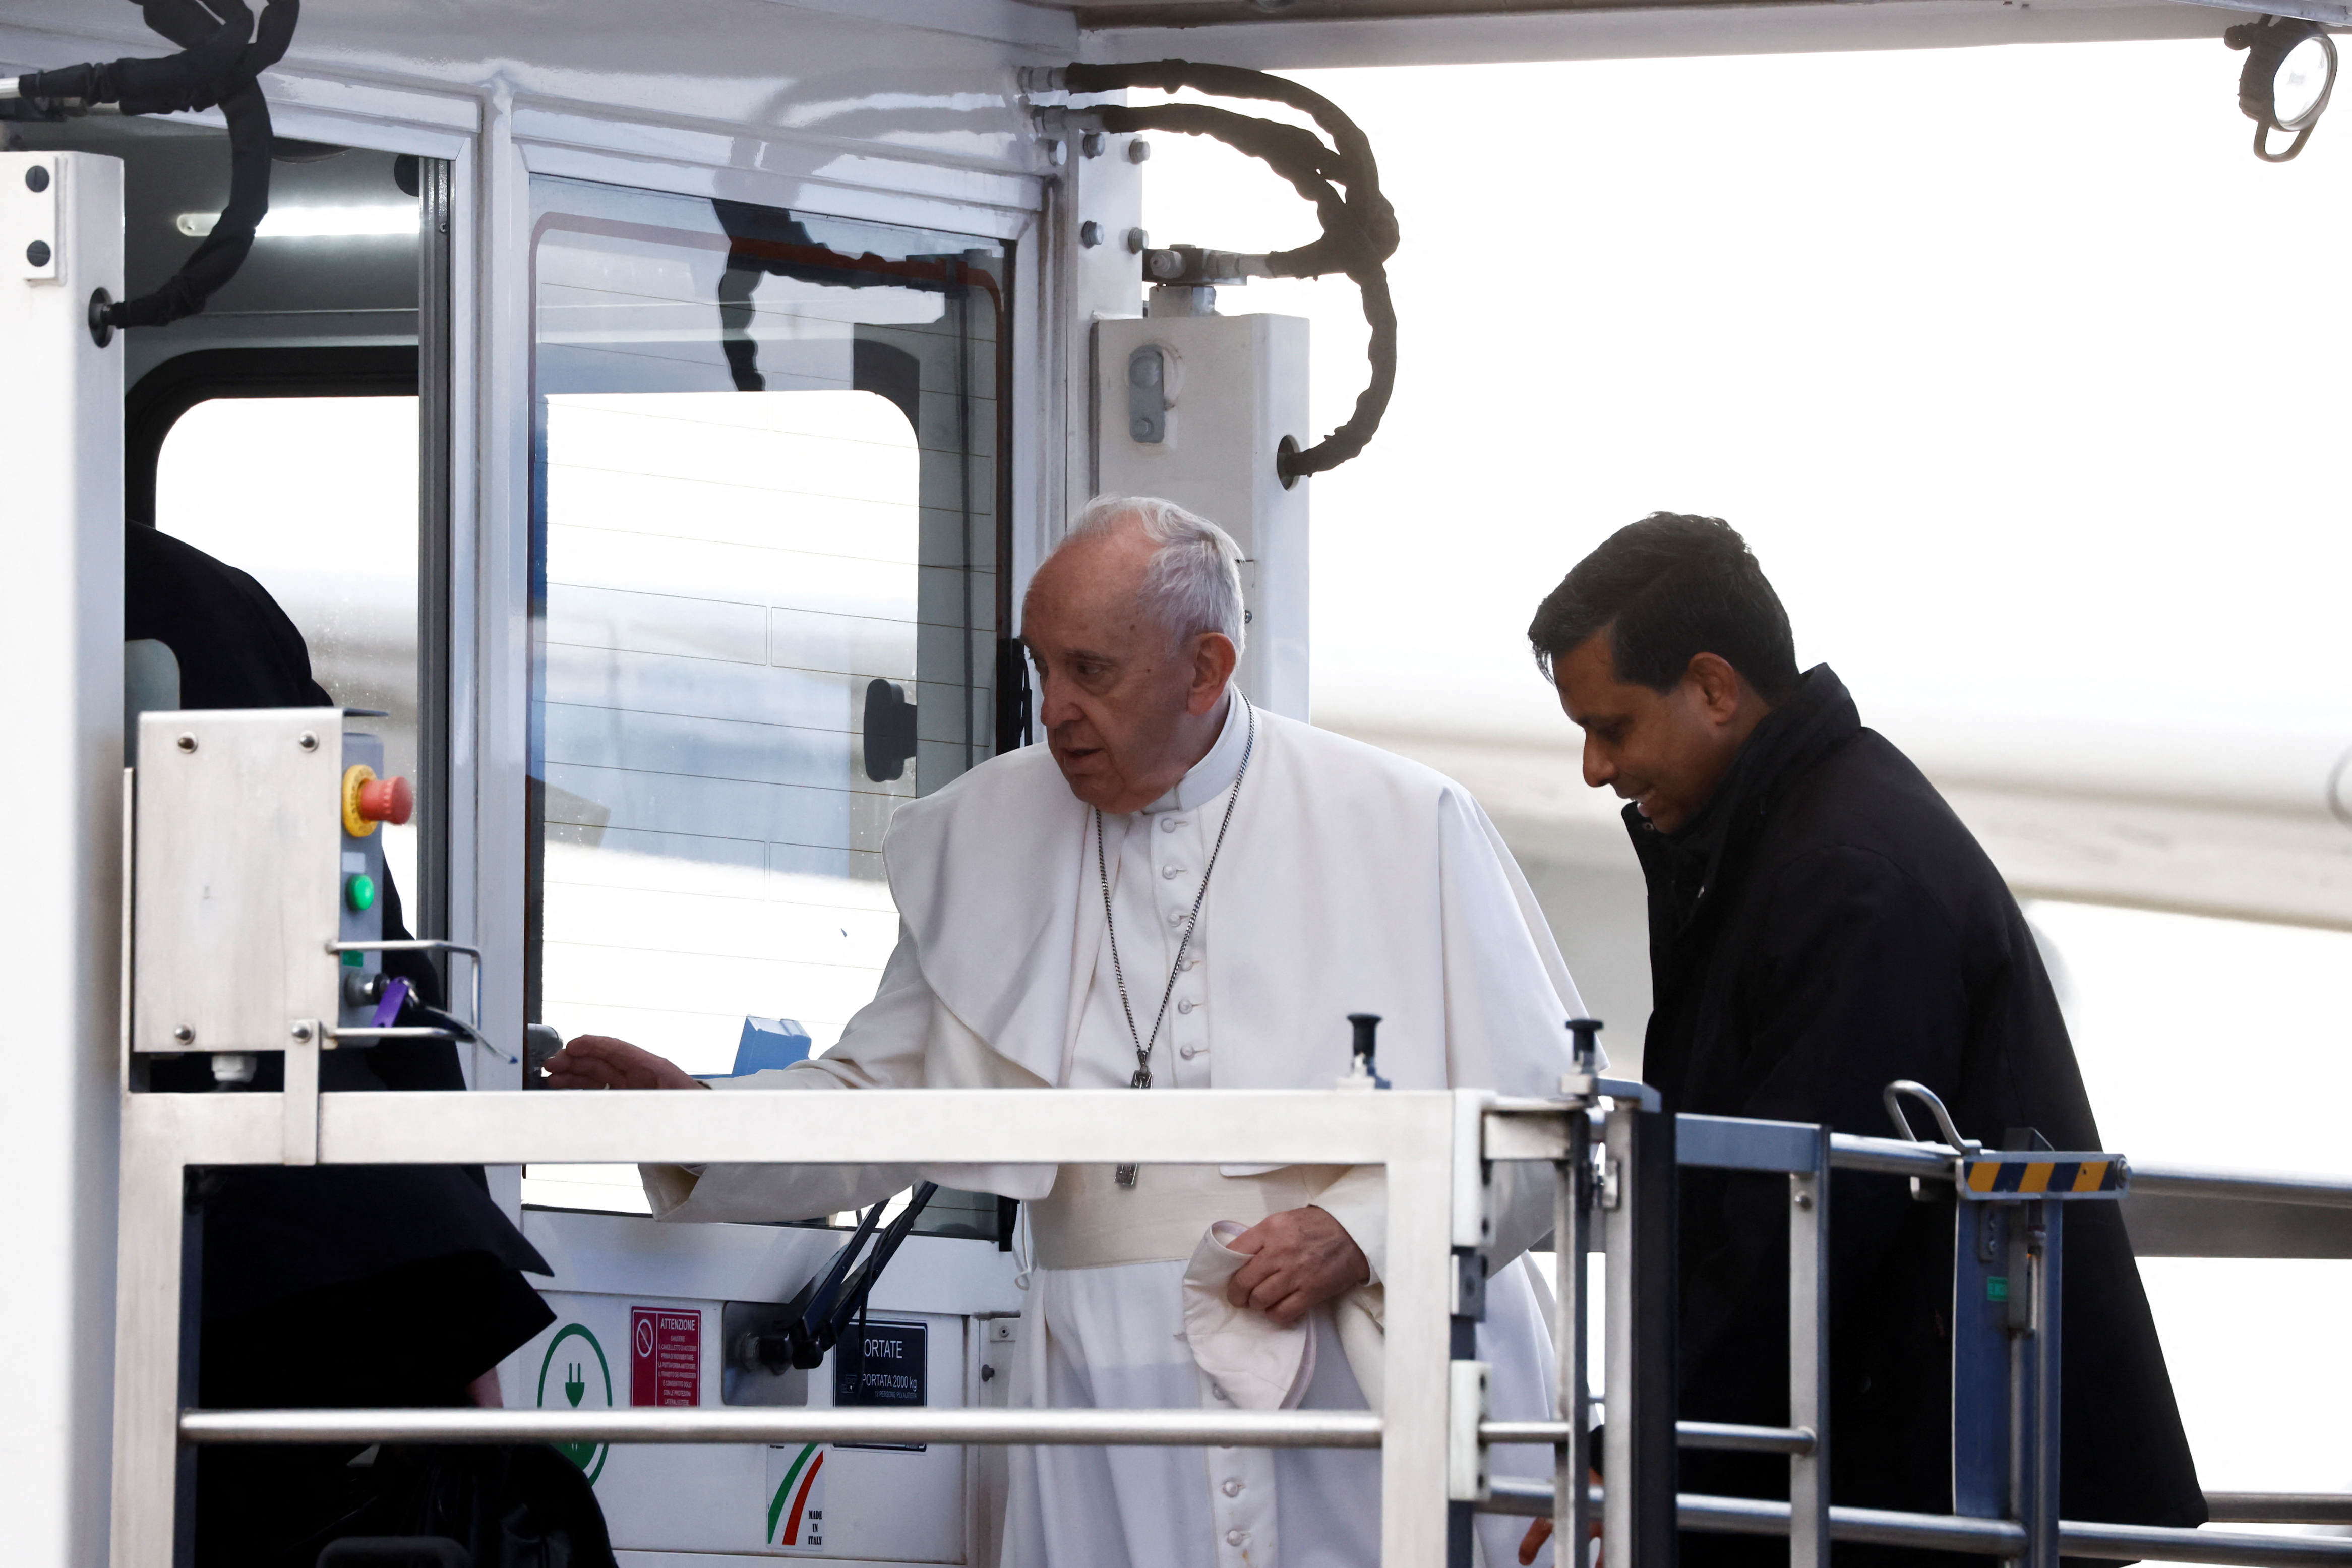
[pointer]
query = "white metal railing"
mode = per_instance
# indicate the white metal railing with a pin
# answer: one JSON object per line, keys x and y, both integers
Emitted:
{"x": 1429, "y": 1142}
{"x": 1613, "y": 1159}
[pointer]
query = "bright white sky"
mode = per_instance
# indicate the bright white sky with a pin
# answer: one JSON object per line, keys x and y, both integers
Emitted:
{"x": 1993, "y": 355}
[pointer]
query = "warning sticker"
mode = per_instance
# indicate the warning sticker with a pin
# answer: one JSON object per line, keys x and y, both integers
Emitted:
{"x": 796, "y": 1495}
{"x": 664, "y": 1355}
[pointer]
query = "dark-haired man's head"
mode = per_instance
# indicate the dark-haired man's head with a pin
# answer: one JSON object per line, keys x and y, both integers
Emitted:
{"x": 1668, "y": 647}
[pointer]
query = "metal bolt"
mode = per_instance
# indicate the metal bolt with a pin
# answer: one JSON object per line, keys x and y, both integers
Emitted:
{"x": 1805, "y": 1200}
{"x": 308, "y": 741}
{"x": 1137, "y": 241}
{"x": 183, "y": 1034}
{"x": 185, "y": 742}
{"x": 1057, "y": 151}
{"x": 1163, "y": 264}
{"x": 301, "y": 1031}
{"x": 1139, "y": 151}
{"x": 1090, "y": 145}
{"x": 1090, "y": 234}
{"x": 37, "y": 178}
{"x": 38, "y": 253}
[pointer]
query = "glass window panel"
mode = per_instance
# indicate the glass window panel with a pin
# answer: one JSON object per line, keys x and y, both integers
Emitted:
{"x": 315, "y": 498}
{"x": 765, "y": 608}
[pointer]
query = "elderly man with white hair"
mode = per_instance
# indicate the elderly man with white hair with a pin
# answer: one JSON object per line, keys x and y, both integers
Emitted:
{"x": 1181, "y": 891}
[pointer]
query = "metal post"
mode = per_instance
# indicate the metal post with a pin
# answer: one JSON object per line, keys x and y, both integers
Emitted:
{"x": 1980, "y": 1292}
{"x": 2019, "y": 1314}
{"x": 1466, "y": 1394}
{"x": 1571, "y": 1236}
{"x": 1808, "y": 1359}
{"x": 60, "y": 834}
{"x": 428, "y": 901}
{"x": 1639, "y": 1445}
{"x": 1416, "y": 1370}
{"x": 192, "y": 1335}
{"x": 2044, "y": 1221}
{"x": 147, "y": 1329}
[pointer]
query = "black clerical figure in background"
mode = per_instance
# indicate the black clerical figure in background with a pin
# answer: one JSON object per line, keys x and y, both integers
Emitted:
{"x": 335, "y": 1286}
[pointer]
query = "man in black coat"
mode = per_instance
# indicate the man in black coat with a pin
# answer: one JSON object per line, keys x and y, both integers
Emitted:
{"x": 1821, "y": 923}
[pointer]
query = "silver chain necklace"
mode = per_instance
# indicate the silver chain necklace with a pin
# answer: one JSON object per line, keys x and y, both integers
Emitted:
{"x": 1142, "y": 1079}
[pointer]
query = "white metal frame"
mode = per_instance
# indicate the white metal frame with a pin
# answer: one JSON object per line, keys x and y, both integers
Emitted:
{"x": 1430, "y": 1142}
{"x": 60, "y": 832}
{"x": 1437, "y": 1148}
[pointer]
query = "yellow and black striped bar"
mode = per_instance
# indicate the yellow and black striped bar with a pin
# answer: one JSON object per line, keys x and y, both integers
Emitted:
{"x": 1999, "y": 1177}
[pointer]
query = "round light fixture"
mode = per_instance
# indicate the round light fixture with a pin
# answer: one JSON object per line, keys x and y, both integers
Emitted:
{"x": 2289, "y": 70}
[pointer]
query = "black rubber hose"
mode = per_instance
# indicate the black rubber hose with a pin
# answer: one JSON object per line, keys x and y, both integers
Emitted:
{"x": 216, "y": 261}
{"x": 1360, "y": 227}
{"x": 222, "y": 51}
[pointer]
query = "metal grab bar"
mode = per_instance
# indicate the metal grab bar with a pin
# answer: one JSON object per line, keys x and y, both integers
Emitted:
{"x": 1715, "y": 1435}
{"x": 1892, "y": 1157}
{"x": 1270, "y": 1429}
{"x": 2279, "y": 1508}
{"x": 2278, "y": 1187}
{"x": 1165, "y": 1429}
{"x": 1723, "y": 1437}
{"x": 1988, "y": 1537}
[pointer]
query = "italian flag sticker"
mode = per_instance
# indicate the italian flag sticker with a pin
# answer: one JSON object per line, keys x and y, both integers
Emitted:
{"x": 796, "y": 1495}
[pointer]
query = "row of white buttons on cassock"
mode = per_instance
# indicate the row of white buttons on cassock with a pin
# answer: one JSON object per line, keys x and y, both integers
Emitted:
{"x": 1179, "y": 887}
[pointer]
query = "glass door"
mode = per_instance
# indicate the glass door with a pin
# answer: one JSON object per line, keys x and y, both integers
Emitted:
{"x": 765, "y": 610}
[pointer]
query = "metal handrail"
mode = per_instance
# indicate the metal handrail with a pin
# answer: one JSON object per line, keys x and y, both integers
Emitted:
{"x": 1273, "y": 1429}
{"x": 2272, "y": 1187}
{"x": 163, "y": 1135}
{"x": 1722, "y": 1436}
{"x": 1894, "y": 1157}
{"x": 1953, "y": 1532}
{"x": 1268, "y": 1429}
{"x": 2278, "y": 1508}
{"x": 1891, "y": 1156}
{"x": 689, "y": 1424}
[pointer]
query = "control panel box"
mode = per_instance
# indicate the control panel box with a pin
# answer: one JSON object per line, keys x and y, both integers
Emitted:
{"x": 254, "y": 858}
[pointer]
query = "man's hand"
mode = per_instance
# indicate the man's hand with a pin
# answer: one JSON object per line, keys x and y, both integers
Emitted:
{"x": 1299, "y": 1260}
{"x": 1541, "y": 1531}
{"x": 599, "y": 1061}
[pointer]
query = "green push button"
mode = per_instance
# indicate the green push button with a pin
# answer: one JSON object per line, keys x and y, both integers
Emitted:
{"x": 359, "y": 891}
{"x": 1996, "y": 1289}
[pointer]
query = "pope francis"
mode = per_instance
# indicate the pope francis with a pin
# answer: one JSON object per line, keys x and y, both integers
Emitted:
{"x": 1181, "y": 891}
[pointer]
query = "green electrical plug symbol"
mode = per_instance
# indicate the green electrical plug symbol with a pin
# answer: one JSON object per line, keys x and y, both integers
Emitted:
{"x": 573, "y": 1384}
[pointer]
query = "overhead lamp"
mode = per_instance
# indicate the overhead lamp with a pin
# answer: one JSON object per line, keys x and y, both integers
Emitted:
{"x": 317, "y": 223}
{"x": 2289, "y": 70}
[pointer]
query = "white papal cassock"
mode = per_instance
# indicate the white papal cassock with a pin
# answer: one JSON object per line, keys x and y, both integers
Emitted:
{"x": 1350, "y": 881}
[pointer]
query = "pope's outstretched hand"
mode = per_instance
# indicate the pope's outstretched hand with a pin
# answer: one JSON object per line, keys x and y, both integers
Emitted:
{"x": 600, "y": 1061}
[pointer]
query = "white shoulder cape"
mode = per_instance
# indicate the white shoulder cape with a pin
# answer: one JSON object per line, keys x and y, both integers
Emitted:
{"x": 1352, "y": 881}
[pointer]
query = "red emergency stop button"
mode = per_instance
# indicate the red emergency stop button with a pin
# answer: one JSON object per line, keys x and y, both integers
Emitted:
{"x": 387, "y": 800}
{"x": 368, "y": 800}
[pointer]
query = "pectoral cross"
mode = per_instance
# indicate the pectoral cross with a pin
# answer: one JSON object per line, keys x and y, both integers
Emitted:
{"x": 1142, "y": 1079}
